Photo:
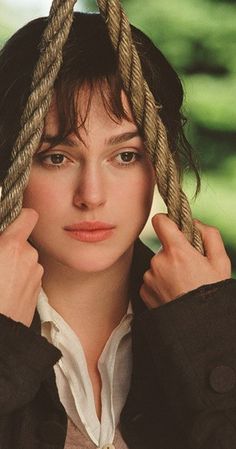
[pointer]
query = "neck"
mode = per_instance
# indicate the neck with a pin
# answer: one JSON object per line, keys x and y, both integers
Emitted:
{"x": 91, "y": 303}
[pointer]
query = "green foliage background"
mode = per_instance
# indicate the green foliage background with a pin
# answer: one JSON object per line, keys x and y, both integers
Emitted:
{"x": 199, "y": 39}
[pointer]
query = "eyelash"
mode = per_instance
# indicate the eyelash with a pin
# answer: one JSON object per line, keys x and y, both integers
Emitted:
{"x": 41, "y": 157}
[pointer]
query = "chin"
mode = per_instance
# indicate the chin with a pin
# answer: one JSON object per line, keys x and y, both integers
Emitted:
{"x": 85, "y": 257}
{"x": 89, "y": 265}
{"x": 90, "y": 261}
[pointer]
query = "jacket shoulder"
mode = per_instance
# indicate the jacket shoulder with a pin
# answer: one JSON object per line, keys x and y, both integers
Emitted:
{"x": 25, "y": 360}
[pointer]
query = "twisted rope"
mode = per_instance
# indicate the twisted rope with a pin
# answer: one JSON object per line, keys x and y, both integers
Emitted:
{"x": 143, "y": 104}
{"x": 37, "y": 106}
{"x": 148, "y": 119}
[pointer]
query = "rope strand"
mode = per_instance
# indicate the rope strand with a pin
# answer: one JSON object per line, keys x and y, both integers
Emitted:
{"x": 150, "y": 123}
{"x": 145, "y": 110}
{"x": 37, "y": 106}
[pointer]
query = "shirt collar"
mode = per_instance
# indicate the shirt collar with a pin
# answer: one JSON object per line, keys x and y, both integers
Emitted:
{"x": 45, "y": 310}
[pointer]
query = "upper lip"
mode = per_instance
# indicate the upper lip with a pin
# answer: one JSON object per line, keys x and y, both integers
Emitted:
{"x": 89, "y": 226}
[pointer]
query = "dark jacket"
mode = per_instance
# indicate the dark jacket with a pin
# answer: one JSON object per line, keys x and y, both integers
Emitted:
{"x": 183, "y": 388}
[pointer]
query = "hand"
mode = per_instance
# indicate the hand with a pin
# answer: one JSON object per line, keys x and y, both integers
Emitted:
{"x": 20, "y": 272}
{"x": 178, "y": 267}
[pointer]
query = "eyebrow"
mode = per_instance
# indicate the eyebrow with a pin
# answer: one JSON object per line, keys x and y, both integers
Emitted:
{"x": 121, "y": 138}
{"x": 67, "y": 141}
{"x": 54, "y": 140}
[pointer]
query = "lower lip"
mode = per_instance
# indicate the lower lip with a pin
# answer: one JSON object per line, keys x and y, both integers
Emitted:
{"x": 91, "y": 236}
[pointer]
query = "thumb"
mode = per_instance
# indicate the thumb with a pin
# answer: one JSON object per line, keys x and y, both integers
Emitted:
{"x": 23, "y": 225}
{"x": 167, "y": 231}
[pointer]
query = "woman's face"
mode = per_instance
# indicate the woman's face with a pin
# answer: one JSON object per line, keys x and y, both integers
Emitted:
{"x": 106, "y": 177}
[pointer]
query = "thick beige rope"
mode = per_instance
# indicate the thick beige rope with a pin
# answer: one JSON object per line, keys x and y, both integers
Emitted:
{"x": 32, "y": 121}
{"x": 146, "y": 114}
{"x": 143, "y": 103}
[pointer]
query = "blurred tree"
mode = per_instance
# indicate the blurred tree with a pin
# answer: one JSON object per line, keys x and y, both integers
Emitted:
{"x": 199, "y": 39}
{"x": 90, "y": 5}
{"x": 5, "y": 28}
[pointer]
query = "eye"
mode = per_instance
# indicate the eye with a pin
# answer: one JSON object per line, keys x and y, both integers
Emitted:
{"x": 56, "y": 159}
{"x": 52, "y": 160}
{"x": 127, "y": 157}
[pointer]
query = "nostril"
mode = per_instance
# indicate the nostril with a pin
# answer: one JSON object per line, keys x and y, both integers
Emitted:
{"x": 83, "y": 205}
{"x": 88, "y": 203}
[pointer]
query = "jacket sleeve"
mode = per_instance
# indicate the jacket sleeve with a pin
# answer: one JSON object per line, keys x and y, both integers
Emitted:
{"x": 192, "y": 341}
{"x": 25, "y": 361}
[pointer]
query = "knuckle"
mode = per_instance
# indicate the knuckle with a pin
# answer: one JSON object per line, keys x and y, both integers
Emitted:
{"x": 143, "y": 292}
{"x": 30, "y": 212}
{"x": 34, "y": 255}
{"x": 146, "y": 277}
{"x": 153, "y": 263}
{"x": 40, "y": 270}
{"x": 37, "y": 292}
{"x": 226, "y": 264}
{"x": 173, "y": 250}
{"x": 214, "y": 231}
{"x": 177, "y": 253}
{"x": 30, "y": 256}
{"x": 142, "y": 288}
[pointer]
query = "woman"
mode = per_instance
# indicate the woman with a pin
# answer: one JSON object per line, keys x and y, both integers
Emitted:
{"x": 69, "y": 376}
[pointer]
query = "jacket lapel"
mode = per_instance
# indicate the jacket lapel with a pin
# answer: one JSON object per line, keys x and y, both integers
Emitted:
{"x": 141, "y": 263}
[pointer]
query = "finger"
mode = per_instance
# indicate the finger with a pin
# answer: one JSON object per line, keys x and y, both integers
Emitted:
{"x": 149, "y": 297}
{"x": 23, "y": 224}
{"x": 167, "y": 231}
{"x": 212, "y": 241}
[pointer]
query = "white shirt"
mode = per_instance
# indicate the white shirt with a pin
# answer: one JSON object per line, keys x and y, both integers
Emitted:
{"x": 73, "y": 380}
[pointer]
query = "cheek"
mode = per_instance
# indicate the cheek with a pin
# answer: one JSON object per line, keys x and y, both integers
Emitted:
{"x": 40, "y": 194}
{"x": 146, "y": 197}
{"x": 145, "y": 192}
{"x": 145, "y": 183}
{"x": 136, "y": 193}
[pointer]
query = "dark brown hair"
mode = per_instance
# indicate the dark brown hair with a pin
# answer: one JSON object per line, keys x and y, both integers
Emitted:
{"x": 88, "y": 58}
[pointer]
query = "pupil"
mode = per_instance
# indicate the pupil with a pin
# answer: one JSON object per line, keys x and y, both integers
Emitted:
{"x": 57, "y": 158}
{"x": 127, "y": 157}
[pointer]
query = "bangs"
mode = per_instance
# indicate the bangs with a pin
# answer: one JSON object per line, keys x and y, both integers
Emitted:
{"x": 70, "y": 95}
{"x": 89, "y": 65}
{"x": 89, "y": 61}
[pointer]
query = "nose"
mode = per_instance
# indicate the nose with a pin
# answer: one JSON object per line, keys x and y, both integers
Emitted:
{"x": 90, "y": 190}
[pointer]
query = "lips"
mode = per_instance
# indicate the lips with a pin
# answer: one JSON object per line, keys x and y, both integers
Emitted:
{"x": 90, "y": 231}
{"x": 89, "y": 226}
